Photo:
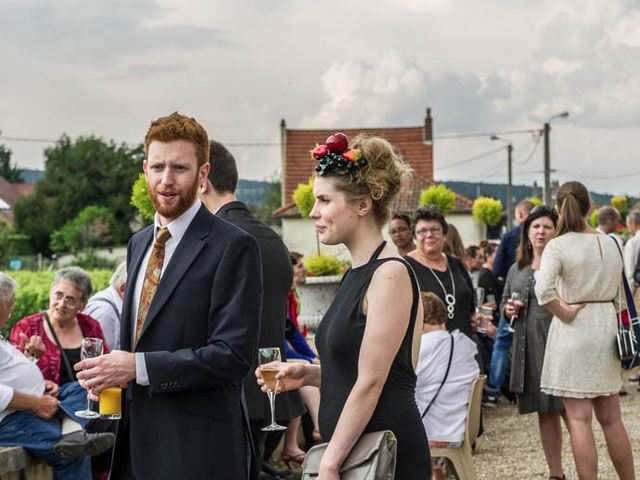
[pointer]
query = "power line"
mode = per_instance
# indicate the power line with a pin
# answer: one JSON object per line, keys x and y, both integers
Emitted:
{"x": 277, "y": 144}
{"x": 49, "y": 140}
{"x": 601, "y": 177}
{"x": 485, "y": 134}
{"x": 26, "y": 139}
{"x": 533, "y": 150}
{"x": 472, "y": 159}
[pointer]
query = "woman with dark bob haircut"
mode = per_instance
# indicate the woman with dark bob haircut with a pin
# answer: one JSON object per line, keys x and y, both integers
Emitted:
{"x": 445, "y": 275}
{"x": 530, "y": 337}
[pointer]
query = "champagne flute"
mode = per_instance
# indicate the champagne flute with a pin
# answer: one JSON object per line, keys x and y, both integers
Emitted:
{"x": 269, "y": 359}
{"x": 479, "y": 292}
{"x": 516, "y": 297}
{"x": 90, "y": 348}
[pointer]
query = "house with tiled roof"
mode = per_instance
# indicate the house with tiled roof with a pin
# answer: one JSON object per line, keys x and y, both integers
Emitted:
{"x": 9, "y": 193}
{"x": 414, "y": 144}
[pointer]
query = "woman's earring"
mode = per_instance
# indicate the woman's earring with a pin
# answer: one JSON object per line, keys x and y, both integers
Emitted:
{"x": 529, "y": 246}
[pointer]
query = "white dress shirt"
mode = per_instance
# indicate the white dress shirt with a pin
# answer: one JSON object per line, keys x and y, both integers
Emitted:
{"x": 106, "y": 307}
{"x": 17, "y": 373}
{"x": 631, "y": 253}
{"x": 445, "y": 421}
{"x": 177, "y": 229}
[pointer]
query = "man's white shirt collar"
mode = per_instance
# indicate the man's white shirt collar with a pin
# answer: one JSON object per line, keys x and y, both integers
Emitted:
{"x": 178, "y": 226}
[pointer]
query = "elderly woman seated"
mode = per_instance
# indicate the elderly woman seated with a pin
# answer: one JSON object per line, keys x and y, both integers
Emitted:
{"x": 36, "y": 334}
{"x": 443, "y": 404}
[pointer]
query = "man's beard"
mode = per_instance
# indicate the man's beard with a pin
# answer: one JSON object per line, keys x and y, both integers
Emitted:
{"x": 185, "y": 201}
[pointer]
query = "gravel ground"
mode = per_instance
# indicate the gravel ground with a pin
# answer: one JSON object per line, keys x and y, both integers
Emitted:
{"x": 510, "y": 447}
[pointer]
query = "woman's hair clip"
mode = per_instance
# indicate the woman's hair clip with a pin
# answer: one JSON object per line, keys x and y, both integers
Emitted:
{"x": 336, "y": 154}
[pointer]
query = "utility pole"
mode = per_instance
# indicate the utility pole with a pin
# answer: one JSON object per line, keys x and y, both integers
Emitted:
{"x": 509, "y": 179}
{"x": 547, "y": 160}
{"x": 509, "y": 187}
{"x": 547, "y": 165}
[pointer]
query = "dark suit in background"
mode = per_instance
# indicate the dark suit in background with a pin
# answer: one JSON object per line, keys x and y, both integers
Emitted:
{"x": 200, "y": 340}
{"x": 506, "y": 254}
{"x": 277, "y": 273}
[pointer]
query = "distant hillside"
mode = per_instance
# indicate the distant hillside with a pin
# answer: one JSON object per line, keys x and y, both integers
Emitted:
{"x": 31, "y": 176}
{"x": 253, "y": 192}
{"x": 249, "y": 191}
{"x": 474, "y": 190}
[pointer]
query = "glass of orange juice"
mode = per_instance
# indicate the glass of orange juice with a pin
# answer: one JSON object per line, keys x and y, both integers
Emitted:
{"x": 111, "y": 403}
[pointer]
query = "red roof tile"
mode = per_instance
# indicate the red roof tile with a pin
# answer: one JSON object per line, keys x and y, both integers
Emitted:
{"x": 409, "y": 142}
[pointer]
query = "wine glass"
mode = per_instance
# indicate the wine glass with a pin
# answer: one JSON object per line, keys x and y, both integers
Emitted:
{"x": 516, "y": 297}
{"x": 91, "y": 347}
{"x": 479, "y": 292}
{"x": 269, "y": 359}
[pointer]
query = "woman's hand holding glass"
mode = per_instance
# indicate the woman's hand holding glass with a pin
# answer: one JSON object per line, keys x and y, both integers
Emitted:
{"x": 290, "y": 376}
{"x": 512, "y": 310}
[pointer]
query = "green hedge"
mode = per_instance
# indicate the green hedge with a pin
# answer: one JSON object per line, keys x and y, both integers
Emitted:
{"x": 33, "y": 294}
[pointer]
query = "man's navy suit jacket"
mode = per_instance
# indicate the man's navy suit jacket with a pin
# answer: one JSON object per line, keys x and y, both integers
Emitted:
{"x": 199, "y": 340}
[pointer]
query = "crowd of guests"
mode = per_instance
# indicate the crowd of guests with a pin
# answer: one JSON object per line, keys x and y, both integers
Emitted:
{"x": 413, "y": 325}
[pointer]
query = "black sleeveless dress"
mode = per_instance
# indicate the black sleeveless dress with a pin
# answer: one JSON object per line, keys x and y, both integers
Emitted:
{"x": 338, "y": 340}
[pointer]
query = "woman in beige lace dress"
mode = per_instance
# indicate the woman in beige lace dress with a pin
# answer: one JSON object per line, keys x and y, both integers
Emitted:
{"x": 579, "y": 282}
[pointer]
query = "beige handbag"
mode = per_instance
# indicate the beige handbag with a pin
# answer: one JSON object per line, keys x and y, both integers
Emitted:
{"x": 372, "y": 458}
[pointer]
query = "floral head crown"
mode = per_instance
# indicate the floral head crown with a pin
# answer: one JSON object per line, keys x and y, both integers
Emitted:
{"x": 336, "y": 154}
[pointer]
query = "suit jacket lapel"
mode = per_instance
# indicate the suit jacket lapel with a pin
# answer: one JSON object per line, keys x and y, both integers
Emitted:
{"x": 138, "y": 249}
{"x": 186, "y": 252}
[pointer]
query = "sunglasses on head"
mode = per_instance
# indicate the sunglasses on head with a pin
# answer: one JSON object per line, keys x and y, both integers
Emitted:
{"x": 544, "y": 210}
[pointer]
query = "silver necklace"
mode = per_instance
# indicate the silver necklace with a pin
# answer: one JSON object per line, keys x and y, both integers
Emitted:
{"x": 449, "y": 298}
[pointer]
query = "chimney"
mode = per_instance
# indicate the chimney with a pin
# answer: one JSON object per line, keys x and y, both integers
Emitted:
{"x": 283, "y": 159}
{"x": 427, "y": 131}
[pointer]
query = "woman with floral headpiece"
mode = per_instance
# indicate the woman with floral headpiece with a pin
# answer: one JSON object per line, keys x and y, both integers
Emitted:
{"x": 369, "y": 338}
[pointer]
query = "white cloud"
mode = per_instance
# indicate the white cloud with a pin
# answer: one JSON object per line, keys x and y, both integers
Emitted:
{"x": 114, "y": 65}
{"x": 626, "y": 31}
{"x": 557, "y": 67}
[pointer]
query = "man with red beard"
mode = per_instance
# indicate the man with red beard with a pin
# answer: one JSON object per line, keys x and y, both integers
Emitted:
{"x": 190, "y": 322}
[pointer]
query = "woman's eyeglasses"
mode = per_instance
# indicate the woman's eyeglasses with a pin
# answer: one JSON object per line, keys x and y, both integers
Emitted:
{"x": 70, "y": 302}
{"x": 433, "y": 231}
{"x": 398, "y": 230}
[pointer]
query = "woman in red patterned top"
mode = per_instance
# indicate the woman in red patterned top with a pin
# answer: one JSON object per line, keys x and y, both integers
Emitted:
{"x": 70, "y": 291}
{"x": 293, "y": 300}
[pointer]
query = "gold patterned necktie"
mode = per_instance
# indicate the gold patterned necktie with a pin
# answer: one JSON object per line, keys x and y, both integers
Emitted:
{"x": 151, "y": 278}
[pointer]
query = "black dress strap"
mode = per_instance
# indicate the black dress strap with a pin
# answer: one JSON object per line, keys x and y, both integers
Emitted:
{"x": 63, "y": 354}
{"x": 378, "y": 251}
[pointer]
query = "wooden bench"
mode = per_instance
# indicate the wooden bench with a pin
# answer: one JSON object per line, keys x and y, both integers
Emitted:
{"x": 18, "y": 464}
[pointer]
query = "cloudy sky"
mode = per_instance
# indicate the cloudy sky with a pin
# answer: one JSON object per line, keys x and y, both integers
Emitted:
{"x": 108, "y": 67}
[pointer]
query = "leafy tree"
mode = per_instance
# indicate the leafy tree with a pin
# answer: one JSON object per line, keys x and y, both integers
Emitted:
{"x": 593, "y": 217}
{"x": 88, "y": 171}
{"x": 487, "y": 210}
{"x": 5, "y": 242}
{"x": 271, "y": 202}
{"x": 535, "y": 200}
{"x": 9, "y": 170}
{"x": 620, "y": 202}
{"x": 440, "y": 196}
{"x": 93, "y": 227}
{"x": 303, "y": 198}
{"x": 140, "y": 198}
